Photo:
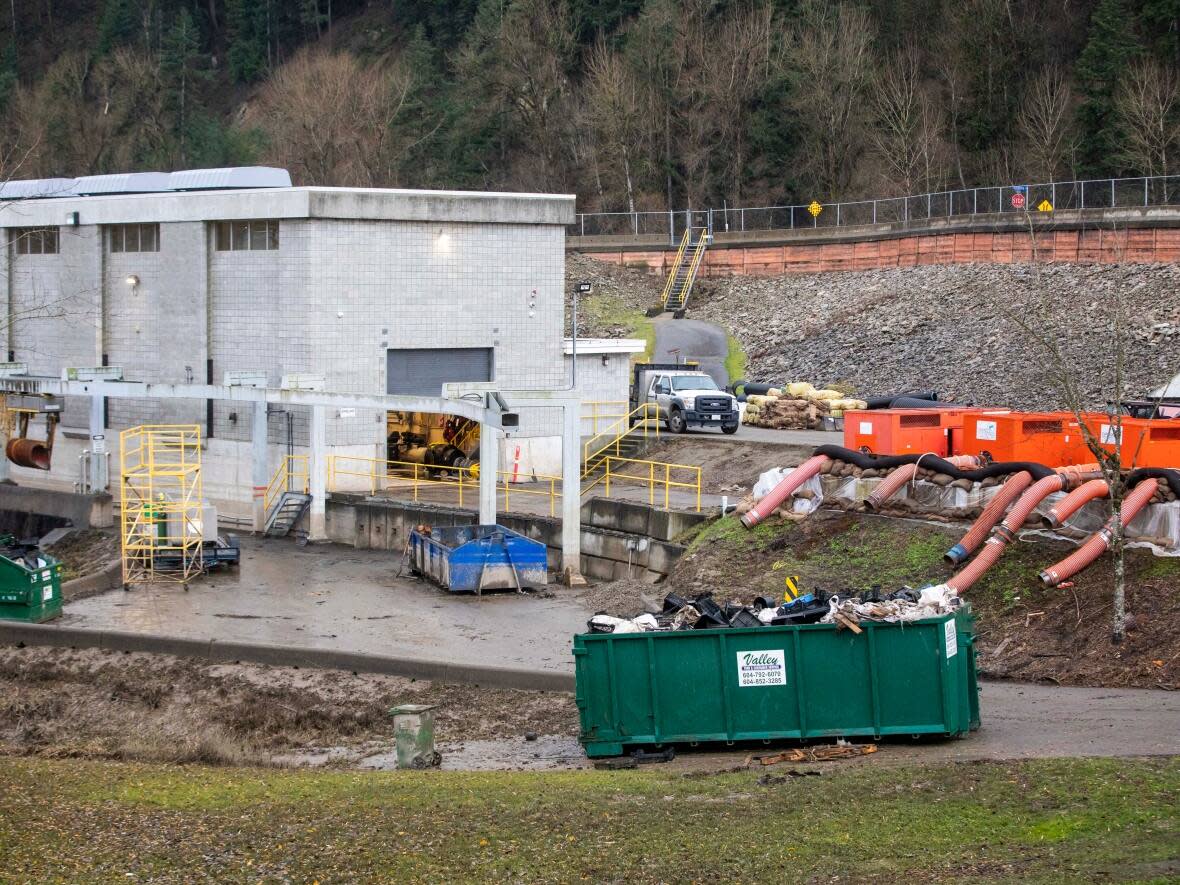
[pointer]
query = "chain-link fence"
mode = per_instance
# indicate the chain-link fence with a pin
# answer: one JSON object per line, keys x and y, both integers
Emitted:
{"x": 1105, "y": 193}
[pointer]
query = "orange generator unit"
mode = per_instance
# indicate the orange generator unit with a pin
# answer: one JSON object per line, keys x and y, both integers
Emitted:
{"x": 905, "y": 431}
{"x": 1147, "y": 442}
{"x": 1050, "y": 438}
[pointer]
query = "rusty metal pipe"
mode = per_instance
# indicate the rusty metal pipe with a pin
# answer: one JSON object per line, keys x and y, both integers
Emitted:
{"x": 25, "y": 452}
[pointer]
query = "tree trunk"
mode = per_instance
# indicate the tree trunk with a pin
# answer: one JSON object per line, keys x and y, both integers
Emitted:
{"x": 1117, "y": 550}
{"x": 630, "y": 186}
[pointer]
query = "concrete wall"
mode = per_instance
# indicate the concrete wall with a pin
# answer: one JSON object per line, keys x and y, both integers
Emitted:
{"x": 603, "y": 378}
{"x": 357, "y": 272}
{"x": 608, "y": 553}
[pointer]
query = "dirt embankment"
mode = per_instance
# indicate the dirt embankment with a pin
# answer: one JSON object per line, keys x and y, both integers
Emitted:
{"x": 89, "y": 703}
{"x": 1026, "y": 632}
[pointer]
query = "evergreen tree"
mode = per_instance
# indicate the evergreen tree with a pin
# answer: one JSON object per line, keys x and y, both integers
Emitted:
{"x": 1110, "y": 46}
{"x": 249, "y": 39}
{"x": 180, "y": 70}
{"x": 118, "y": 26}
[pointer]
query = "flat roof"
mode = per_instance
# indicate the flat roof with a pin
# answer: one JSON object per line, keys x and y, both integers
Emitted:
{"x": 604, "y": 345}
{"x": 345, "y": 203}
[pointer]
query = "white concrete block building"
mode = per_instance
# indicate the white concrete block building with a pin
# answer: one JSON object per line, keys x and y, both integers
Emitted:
{"x": 379, "y": 291}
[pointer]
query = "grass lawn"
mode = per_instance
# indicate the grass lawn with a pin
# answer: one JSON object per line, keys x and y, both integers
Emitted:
{"x": 1040, "y": 821}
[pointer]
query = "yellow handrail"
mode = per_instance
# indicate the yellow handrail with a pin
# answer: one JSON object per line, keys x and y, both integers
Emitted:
{"x": 461, "y": 441}
{"x": 381, "y": 476}
{"x": 675, "y": 266}
{"x": 634, "y": 422}
{"x": 292, "y": 467}
{"x": 650, "y": 473}
{"x": 595, "y": 415}
{"x": 695, "y": 264}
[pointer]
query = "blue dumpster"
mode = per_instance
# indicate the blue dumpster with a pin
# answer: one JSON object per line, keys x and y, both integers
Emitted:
{"x": 475, "y": 558}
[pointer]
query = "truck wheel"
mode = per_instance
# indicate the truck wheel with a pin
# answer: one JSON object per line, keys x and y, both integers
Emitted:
{"x": 676, "y": 422}
{"x": 729, "y": 428}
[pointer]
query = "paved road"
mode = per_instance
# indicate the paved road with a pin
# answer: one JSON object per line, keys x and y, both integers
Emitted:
{"x": 695, "y": 340}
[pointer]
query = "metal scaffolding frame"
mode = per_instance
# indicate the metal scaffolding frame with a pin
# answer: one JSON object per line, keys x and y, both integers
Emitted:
{"x": 160, "y": 494}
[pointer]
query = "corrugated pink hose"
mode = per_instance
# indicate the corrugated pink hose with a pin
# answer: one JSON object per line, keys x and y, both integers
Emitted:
{"x": 893, "y": 483}
{"x": 1014, "y": 522}
{"x": 993, "y": 513}
{"x": 1099, "y": 542}
{"x": 1075, "y": 501}
{"x": 784, "y": 490}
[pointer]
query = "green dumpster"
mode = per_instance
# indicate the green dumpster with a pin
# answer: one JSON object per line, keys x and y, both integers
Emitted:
{"x": 30, "y": 583}
{"x": 773, "y": 683}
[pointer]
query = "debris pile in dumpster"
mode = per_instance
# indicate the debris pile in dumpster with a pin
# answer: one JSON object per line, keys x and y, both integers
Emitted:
{"x": 844, "y": 609}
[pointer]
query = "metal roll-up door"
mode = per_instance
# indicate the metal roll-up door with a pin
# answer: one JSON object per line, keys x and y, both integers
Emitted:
{"x": 423, "y": 372}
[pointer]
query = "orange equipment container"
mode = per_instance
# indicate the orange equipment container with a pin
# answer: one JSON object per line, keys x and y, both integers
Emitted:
{"x": 1049, "y": 438}
{"x": 905, "y": 431}
{"x": 1147, "y": 442}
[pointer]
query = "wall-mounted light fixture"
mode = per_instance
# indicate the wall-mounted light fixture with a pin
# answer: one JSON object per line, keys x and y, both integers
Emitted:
{"x": 132, "y": 282}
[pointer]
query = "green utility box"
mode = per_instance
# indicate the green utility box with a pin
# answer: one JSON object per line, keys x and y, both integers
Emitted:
{"x": 30, "y": 583}
{"x": 773, "y": 683}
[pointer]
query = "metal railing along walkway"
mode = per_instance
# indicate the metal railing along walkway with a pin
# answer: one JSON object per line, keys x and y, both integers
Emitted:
{"x": 1015, "y": 199}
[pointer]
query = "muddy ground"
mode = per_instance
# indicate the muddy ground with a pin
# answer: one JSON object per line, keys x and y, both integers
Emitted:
{"x": 84, "y": 552}
{"x": 109, "y": 705}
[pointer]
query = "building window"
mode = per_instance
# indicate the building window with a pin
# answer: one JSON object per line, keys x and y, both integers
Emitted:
{"x": 35, "y": 240}
{"x": 240, "y": 236}
{"x": 135, "y": 237}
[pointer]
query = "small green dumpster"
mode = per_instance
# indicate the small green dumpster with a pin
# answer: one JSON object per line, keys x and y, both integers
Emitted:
{"x": 30, "y": 583}
{"x": 774, "y": 683}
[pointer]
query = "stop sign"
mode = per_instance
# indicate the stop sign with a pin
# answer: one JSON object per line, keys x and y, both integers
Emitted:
{"x": 1018, "y": 201}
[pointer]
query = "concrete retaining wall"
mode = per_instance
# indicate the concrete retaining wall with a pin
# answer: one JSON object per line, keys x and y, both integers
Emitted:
{"x": 81, "y": 511}
{"x": 619, "y": 540}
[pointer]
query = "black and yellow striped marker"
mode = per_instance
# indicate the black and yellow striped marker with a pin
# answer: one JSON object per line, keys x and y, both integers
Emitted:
{"x": 792, "y": 592}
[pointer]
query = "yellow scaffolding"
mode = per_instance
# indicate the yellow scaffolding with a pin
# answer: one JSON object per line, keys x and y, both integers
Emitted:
{"x": 160, "y": 496}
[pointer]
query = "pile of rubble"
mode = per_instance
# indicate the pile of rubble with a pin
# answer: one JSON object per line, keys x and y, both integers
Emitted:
{"x": 956, "y": 328}
{"x": 844, "y": 609}
{"x": 798, "y": 406}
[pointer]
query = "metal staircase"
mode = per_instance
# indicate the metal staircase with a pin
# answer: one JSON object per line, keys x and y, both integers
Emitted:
{"x": 285, "y": 513}
{"x": 684, "y": 269}
{"x": 286, "y": 498}
{"x": 624, "y": 438}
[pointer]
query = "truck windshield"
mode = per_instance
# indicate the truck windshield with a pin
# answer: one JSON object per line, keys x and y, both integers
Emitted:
{"x": 693, "y": 382}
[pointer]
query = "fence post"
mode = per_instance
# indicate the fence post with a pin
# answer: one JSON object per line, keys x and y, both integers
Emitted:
{"x": 791, "y": 211}
{"x": 838, "y": 214}
{"x": 1082, "y": 190}
{"x": 743, "y": 214}
{"x": 1112, "y": 193}
{"x": 1144, "y": 190}
{"x": 874, "y": 211}
{"x": 1053, "y": 194}
{"x": 974, "y": 201}
{"x": 671, "y": 228}
{"x": 635, "y": 223}
{"x": 582, "y": 219}
{"x": 929, "y": 207}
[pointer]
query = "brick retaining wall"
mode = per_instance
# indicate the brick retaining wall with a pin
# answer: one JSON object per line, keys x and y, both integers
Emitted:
{"x": 1101, "y": 246}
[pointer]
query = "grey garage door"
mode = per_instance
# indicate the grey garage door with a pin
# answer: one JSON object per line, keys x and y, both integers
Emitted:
{"x": 423, "y": 372}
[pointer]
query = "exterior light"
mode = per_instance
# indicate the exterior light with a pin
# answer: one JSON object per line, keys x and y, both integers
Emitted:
{"x": 132, "y": 281}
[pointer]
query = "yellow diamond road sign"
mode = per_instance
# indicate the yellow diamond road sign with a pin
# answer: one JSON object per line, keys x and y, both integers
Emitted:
{"x": 815, "y": 208}
{"x": 1044, "y": 206}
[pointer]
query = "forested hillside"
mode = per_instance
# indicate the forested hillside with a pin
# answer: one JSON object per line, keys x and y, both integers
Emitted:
{"x": 628, "y": 103}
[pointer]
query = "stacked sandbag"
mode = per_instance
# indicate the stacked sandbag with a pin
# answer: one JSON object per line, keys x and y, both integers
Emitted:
{"x": 797, "y": 406}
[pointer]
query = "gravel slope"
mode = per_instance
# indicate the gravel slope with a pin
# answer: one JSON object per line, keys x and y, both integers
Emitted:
{"x": 953, "y": 328}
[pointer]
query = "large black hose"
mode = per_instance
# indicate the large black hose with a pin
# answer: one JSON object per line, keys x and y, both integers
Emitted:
{"x": 1169, "y": 474}
{"x": 913, "y": 402}
{"x": 743, "y": 388}
{"x": 884, "y": 402}
{"x": 934, "y": 463}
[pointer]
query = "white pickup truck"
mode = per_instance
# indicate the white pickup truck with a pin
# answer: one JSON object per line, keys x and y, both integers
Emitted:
{"x": 685, "y": 398}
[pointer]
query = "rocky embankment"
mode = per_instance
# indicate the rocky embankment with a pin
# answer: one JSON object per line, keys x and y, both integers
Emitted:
{"x": 976, "y": 333}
